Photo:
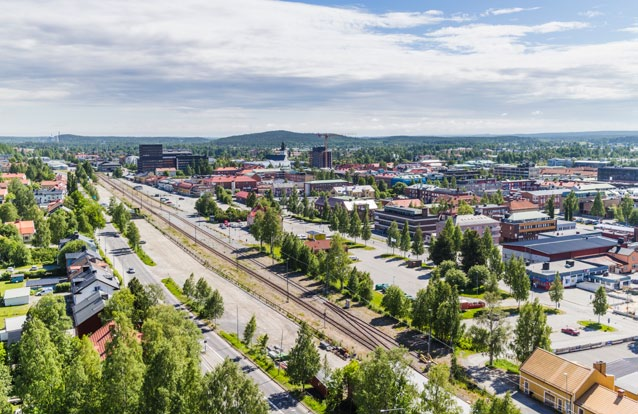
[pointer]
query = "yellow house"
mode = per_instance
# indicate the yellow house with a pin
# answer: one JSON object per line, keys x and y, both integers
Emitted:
{"x": 571, "y": 388}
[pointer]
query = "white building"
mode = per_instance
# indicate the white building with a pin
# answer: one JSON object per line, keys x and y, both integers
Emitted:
{"x": 15, "y": 297}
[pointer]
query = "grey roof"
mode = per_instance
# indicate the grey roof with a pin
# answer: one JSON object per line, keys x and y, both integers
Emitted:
{"x": 88, "y": 307}
{"x": 87, "y": 278}
{"x": 15, "y": 323}
{"x": 17, "y": 293}
{"x": 556, "y": 245}
{"x": 626, "y": 372}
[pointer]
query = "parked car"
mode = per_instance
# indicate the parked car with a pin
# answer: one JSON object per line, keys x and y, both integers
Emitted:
{"x": 10, "y": 269}
{"x": 353, "y": 258}
{"x": 33, "y": 268}
{"x": 45, "y": 291}
{"x": 130, "y": 270}
{"x": 181, "y": 198}
{"x": 570, "y": 331}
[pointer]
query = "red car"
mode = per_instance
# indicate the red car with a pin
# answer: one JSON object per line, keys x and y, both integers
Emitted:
{"x": 570, "y": 331}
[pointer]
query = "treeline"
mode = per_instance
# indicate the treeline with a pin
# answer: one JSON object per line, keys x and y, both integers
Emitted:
{"x": 151, "y": 363}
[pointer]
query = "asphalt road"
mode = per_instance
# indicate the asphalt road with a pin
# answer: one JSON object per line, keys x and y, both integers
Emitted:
{"x": 214, "y": 348}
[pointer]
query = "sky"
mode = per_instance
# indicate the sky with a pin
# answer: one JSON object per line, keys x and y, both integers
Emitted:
{"x": 215, "y": 68}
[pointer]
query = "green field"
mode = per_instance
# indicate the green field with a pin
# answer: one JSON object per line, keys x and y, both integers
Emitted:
{"x": 595, "y": 326}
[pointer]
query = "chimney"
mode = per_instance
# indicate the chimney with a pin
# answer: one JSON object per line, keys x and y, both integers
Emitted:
{"x": 601, "y": 367}
{"x": 621, "y": 392}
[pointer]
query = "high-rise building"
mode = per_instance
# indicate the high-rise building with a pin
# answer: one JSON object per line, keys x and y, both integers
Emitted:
{"x": 321, "y": 157}
{"x": 153, "y": 156}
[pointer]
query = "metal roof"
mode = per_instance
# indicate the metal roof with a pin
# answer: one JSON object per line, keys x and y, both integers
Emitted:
{"x": 566, "y": 244}
{"x": 16, "y": 293}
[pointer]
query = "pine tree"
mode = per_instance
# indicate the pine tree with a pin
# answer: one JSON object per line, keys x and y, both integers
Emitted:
{"x": 418, "y": 247}
{"x": 404, "y": 241}
{"x": 600, "y": 302}
{"x": 355, "y": 225}
{"x": 549, "y": 207}
{"x": 556, "y": 289}
{"x": 249, "y": 330}
{"x": 366, "y": 231}
{"x": 303, "y": 359}
{"x": 598, "y": 209}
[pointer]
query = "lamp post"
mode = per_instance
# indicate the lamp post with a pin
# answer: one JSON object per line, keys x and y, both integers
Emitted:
{"x": 567, "y": 396}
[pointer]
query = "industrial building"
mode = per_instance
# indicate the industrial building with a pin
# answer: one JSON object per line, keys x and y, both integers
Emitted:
{"x": 558, "y": 248}
{"x": 153, "y": 156}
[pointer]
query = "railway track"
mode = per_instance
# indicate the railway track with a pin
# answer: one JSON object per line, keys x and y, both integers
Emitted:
{"x": 332, "y": 314}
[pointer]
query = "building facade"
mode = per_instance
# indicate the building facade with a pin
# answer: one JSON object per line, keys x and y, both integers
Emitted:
{"x": 526, "y": 225}
{"x": 321, "y": 157}
{"x": 416, "y": 218}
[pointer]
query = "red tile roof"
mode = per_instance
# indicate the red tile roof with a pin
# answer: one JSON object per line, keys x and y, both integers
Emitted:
{"x": 317, "y": 245}
{"x": 103, "y": 336}
{"x": 522, "y": 205}
{"x": 25, "y": 227}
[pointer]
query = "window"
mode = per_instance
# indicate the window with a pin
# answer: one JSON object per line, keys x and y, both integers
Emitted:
{"x": 550, "y": 399}
{"x": 526, "y": 387}
{"x": 580, "y": 411}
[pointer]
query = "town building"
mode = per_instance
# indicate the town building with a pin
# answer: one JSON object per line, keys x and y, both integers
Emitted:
{"x": 618, "y": 174}
{"x": 494, "y": 211}
{"x": 416, "y": 218}
{"x": 26, "y": 229}
{"x": 18, "y": 296}
{"x": 357, "y": 191}
{"x": 318, "y": 186}
{"x": 591, "y": 163}
{"x": 571, "y": 272}
{"x": 526, "y": 225}
{"x": 321, "y": 157}
{"x": 12, "y": 329}
{"x": 523, "y": 171}
{"x": 45, "y": 196}
{"x": 478, "y": 223}
{"x": 572, "y": 388}
{"x": 349, "y": 204}
{"x": 558, "y": 248}
{"x": 153, "y": 156}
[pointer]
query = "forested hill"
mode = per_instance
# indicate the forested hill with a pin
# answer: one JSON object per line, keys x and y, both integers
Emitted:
{"x": 291, "y": 139}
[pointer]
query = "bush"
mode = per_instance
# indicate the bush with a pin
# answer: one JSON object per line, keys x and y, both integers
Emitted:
{"x": 5, "y": 276}
{"x": 44, "y": 255}
{"x": 62, "y": 287}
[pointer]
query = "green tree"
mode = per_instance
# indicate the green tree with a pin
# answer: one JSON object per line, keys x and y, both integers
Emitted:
{"x": 8, "y": 212}
{"x": 144, "y": 298}
{"x": 472, "y": 250}
{"x": 23, "y": 198}
{"x": 42, "y": 237}
{"x": 202, "y": 291}
{"x": 491, "y": 335}
{"x": 206, "y": 205}
{"x": 366, "y": 231}
{"x": 421, "y": 311}
{"x": 189, "y": 286}
{"x": 71, "y": 247}
{"x": 517, "y": 278}
{"x": 249, "y": 330}
{"x": 171, "y": 352}
{"x": 121, "y": 217}
{"x": 121, "y": 303}
{"x": 303, "y": 359}
{"x": 336, "y": 263}
{"x": 598, "y": 209}
{"x": 383, "y": 382}
{"x": 531, "y": 330}
{"x": 464, "y": 209}
{"x": 444, "y": 246}
{"x": 496, "y": 405}
{"x": 626, "y": 206}
{"x": 257, "y": 228}
{"x": 556, "y": 289}
{"x": 123, "y": 372}
{"x": 133, "y": 235}
{"x": 438, "y": 394}
{"x": 118, "y": 173}
{"x": 226, "y": 390}
{"x": 570, "y": 206}
{"x": 618, "y": 215}
{"x": 271, "y": 228}
{"x": 600, "y": 302}
{"x": 394, "y": 236}
{"x": 457, "y": 278}
{"x": 39, "y": 377}
{"x": 58, "y": 226}
{"x": 355, "y": 225}
{"x": 83, "y": 379}
{"x": 550, "y": 207}
{"x": 251, "y": 200}
{"x": 418, "y": 248}
{"x": 395, "y": 302}
{"x": 478, "y": 275}
{"x": 213, "y": 306}
{"x": 404, "y": 240}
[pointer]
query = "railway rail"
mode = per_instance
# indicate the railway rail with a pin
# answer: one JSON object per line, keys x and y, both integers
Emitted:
{"x": 350, "y": 325}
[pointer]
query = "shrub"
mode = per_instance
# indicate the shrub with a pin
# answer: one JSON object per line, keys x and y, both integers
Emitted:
{"x": 62, "y": 287}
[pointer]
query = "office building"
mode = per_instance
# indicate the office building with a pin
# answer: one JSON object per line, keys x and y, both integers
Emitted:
{"x": 320, "y": 157}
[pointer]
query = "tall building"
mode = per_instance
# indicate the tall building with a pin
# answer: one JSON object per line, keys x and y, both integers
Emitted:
{"x": 321, "y": 157}
{"x": 524, "y": 171}
{"x": 153, "y": 156}
{"x": 622, "y": 174}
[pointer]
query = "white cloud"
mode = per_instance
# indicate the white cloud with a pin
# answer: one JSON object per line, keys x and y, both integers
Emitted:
{"x": 590, "y": 14}
{"x": 511, "y": 10}
{"x": 234, "y": 67}
{"x": 537, "y": 113}
{"x": 631, "y": 29}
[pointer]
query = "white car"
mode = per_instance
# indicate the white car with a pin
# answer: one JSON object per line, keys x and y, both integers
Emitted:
{"x": 130, "y": 270}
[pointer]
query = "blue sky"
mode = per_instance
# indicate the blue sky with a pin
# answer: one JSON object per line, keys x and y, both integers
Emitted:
{"x": 217, "y": 68}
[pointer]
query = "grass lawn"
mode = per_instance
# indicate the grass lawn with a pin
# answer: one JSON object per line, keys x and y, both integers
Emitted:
{"x": 11, "y": 311}
{"x": 145, "y": 258}
{"x": 506, "y": 365}
{"x": 509, "y": 311}
{"x": 595, "y": 326}
{"x": 174, "y": 288}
